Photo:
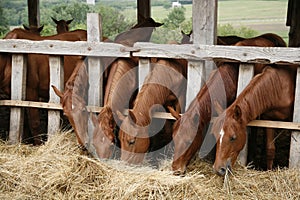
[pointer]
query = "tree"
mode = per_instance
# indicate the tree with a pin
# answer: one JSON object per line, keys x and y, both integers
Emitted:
{"x": 175, "y": 18}
{"x": 3, "y": 22}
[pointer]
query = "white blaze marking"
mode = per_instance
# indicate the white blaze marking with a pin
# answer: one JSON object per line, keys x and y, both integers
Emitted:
{"x": 221, "y": 136}
{"x": 73, "y": 107}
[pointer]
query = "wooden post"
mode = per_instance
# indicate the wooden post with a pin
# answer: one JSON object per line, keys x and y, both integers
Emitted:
{"x": 144, "y": 69}
{"x": 33, "y": 12}
{"x": 293, "y": 20}
{"x": 95, "y": 67}
{"x": 204, "y": 32}
{"x": 246, "y": 72}
{"x": 294, "y": 160}
{"x": 144, "y": 10}
{"x": 18, "y": 92}
{"x": 56, "y": 79}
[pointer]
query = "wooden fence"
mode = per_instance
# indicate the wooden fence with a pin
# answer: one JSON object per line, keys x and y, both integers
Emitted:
{"x": 94, "y": 50}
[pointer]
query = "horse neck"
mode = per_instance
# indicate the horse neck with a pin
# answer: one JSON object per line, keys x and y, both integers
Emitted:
{"x": 122, "y": 82}
{"x": 260, "y": 95}
{"x": 150, "y": 95}
{"x": 226, "y": 75}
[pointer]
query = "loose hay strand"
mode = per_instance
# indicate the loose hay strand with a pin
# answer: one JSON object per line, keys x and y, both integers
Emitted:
{"x": 59, "y": 170}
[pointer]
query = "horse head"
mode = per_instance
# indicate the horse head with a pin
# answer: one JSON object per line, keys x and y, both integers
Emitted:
{"x": 134, "y": 139}
{"x": 230, "y": 133}
{"x": 186, "y": 139}
{"x": 103, "y": 135}
{"x": 34, "y": 29}
{"x": 62, "y": 26}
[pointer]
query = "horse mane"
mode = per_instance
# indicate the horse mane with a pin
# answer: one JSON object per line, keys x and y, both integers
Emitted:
{"x": 77, "y": 85}
{"x": 156, "y": 89}
{"x": 259, "y": 96}
{"x": 275, "y": 39}
{"x": 211, "y": 91}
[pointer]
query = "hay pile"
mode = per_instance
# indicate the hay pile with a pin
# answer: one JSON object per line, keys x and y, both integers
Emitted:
{"x": 58, "y": 170}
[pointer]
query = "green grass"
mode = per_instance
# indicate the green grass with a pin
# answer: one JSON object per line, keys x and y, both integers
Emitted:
{"x": 262, "y": 16}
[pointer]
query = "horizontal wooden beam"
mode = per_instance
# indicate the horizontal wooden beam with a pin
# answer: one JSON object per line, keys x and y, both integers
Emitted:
{"x": 56, "y": 47}
{"x": 266, "y": 55}
{"x": 280, "y": 55}
{"x": 162, "y": 115}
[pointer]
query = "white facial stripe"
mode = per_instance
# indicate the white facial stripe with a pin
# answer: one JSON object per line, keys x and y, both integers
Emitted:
{"x": 73, "y": 107}
{"x": 221, "y": 136}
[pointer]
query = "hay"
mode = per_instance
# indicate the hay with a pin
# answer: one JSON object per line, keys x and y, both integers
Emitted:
{"x": 58, "y": 170}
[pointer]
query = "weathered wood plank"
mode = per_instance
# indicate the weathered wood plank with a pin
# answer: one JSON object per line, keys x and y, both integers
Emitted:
{"x": 56, "y": 47}
{"x": 246, "y": 73}
{"x": 18, "y": 83}
{"x": 294, "y": 160}
{"x": 195, "y": 80}
{"x": 56, "y": 79}
{"x": 95, "y": 68}
{"x": 162, "y": 115}
{"x": 209, "y": 52}
{"x": 144, "y": 69}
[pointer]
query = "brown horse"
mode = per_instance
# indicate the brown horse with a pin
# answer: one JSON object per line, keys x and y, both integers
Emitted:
{"x": 165, "y": 85}
{"x": 188, "y": 130}
{"x": 38, "y": 74}
{"x": 141, "y": 32}
{"x": 122, "y": 83}
{"x": 74, "y": 101}
{"x": 34, "y": 29}
{"x": 269, "y": 94}
{"x": 62, "y": 26}
{"x": 221, "y": 40}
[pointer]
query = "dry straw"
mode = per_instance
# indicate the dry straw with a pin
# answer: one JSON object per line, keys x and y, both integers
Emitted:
{"x": 59, "y": 170}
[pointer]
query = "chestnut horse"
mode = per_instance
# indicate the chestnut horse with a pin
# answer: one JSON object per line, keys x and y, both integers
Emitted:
{"x": 62, "y": 26}
{"x": 119, "y": 94}
{"x": 38, "y": 74}
{"x": 34, "y": 29}
{"x": 221, "y": 40}
{"x": 74, "y": 101}
{"x": 103, "y": 135}
{"x": 189, "y": 128}
{"x": 165, "y": 85}
{"x": 269, "y": 94}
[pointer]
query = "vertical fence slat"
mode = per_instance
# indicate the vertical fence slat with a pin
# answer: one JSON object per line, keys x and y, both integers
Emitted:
{"x": 144, "y": 69}
{"x": 18, "y": 92}
{"x": 95, "y": 67}
{"x": 195, "y": 80}
{"x": 204, "y": 32}
{"x": 294, "y": 160}
{"x": 246, "y": 73}
{"x": 56, "y": 79}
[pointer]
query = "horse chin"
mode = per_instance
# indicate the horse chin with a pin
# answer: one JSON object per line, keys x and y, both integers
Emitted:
{"x": 179, "y": 169}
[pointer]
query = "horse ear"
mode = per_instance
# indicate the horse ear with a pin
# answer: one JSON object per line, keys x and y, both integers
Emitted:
{"x": 40, "y": 28}
{"x": 57, "y": 92}
{"x": 132, "y": 116}
{"x": 218, "y": 107}
{"x": 120, "y": 115}
{"x": 190, "y": 33}
{"x": 69, "y": 21}
{"x": 174, "y": 113}
{"x": 55, "y": 21}
{"x": 237, "y": 113}
{"x": 26, "y": 27}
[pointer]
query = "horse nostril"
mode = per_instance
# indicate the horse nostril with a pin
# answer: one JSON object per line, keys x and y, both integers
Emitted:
{"x": 222, "y": 171}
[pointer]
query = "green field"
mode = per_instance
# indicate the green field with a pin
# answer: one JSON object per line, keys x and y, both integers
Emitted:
{"x": 263, "y": 16}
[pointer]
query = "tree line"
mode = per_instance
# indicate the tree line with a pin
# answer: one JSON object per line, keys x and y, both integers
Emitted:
{"x": 15, "y": 13}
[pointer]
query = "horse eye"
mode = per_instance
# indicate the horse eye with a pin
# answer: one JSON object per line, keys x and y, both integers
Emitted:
{"x": 131, "y": 142}
{"x": 232, "y": 138}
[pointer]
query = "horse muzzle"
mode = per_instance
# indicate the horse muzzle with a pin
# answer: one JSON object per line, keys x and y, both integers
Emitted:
{"x": 223, "y": 169}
